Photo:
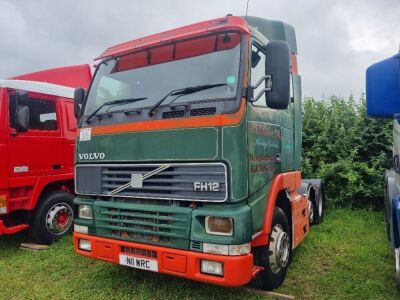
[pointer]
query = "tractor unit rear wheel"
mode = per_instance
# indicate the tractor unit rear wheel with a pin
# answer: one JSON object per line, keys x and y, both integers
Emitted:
{"x": 276, "y": 256}
{"x": 319, "y": 206}
{"x": 53, "y": 218}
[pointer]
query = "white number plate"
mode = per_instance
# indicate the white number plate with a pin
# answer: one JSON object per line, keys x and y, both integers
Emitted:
{"x": 138, "y": 262}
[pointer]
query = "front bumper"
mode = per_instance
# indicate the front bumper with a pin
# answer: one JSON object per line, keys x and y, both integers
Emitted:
{"x": 237, "y": 269}
{"x": 11, "y": 230}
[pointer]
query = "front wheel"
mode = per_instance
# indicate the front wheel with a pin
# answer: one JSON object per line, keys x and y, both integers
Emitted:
{"x": 53, "y": 218}
{"x": 275, "y": 256}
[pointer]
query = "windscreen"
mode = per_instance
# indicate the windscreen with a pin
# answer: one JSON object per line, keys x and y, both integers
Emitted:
{"x": 153, "y": 73}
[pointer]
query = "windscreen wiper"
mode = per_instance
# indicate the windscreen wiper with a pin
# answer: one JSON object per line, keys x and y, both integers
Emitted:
{"x": 114, "y": 102}
{"x": 181, "y": 92}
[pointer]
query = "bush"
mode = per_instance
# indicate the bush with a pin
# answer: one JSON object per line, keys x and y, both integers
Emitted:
{"x": 346, "y": 148}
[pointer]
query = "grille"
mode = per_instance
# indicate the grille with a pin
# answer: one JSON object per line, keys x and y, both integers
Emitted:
{"x": 173, "y": 114}
{"x": 203, "y": 111}
{"x": 191, "y": 182}
{"x": 196, "y": 246}
{"x": 138, "y": 251}
{"x": 141, "y": 223}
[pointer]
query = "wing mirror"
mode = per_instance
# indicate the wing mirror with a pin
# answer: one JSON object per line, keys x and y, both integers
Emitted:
{"x": 79, "y": 96}
{"x": 22, "y": 112}
{"x": 277, "y": 66}
{"x": 276, "y": 78}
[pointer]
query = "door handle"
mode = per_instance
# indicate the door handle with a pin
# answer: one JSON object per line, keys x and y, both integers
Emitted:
{"x": 57, "y": 166}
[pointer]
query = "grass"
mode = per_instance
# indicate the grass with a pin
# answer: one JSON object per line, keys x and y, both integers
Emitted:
{"x": 348, "y": 256}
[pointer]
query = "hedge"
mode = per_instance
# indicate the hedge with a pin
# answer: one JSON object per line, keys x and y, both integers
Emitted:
{"x": 348, "y": 149}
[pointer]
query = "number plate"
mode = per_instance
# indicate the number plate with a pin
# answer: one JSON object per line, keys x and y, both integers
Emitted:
{"x": 138, "y": 262}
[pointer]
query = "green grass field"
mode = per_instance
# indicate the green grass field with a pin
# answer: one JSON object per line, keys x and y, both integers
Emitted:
{"x": 346, "y": 257}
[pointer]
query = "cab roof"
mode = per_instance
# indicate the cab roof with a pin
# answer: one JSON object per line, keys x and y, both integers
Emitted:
{"x": 270, "y": 29}
{"x": 226, "y": 23}
{"x": 38, "y": 87}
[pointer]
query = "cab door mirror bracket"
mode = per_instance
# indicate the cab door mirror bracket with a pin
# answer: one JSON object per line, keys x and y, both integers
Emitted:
{"x": 268, "y": 87}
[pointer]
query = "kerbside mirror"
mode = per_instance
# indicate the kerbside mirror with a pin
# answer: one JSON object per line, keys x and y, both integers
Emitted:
{"x": 79, "y": 96}
{"x": 277, "y": 67}
{"x": 383, "y": 88}
{"x": 22, "y": 111}
{"x": 22, "y": 118}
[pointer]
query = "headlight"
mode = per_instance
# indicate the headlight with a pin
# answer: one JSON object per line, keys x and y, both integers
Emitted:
{"x": 81, "y": 229}
{"x": 85, "y": 212}
{"x": 85, "y": 245}
{"x": 219, "y": 225}
{"x": 212, "y": 267}
{"x": 227, "y": 249}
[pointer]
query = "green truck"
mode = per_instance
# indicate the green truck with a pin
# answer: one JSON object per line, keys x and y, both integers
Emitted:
{"x": 188, "y": 154}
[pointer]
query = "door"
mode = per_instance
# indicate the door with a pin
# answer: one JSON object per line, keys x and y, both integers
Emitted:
{"x": 37, "y": 151}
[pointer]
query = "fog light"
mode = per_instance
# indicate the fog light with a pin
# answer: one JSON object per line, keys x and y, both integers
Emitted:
{"x": 85, "y": 245}
{"x": 239, "y": 249}
{"x": 212, "y": 267}
{"x": 81, "y": 229}
{"x": 219, "y": 225}
{"x": 85, "y": 212}
{"x": 3, "y": 205}
{"x": 215, "y": 249}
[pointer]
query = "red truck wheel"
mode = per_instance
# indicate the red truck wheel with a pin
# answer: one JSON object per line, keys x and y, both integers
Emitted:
{"x": 276, "y": 256}
{"x": 53, "y": 218}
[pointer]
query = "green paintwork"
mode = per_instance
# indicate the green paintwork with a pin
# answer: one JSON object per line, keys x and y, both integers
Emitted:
{"x": 275, "y": 30}
{"x": 297, "y": 115}
{"x": 151, "y": 146}
{"x": 150, "y": 224}
{"x": 265, "y": 143}
{"x": 239, "y": 212}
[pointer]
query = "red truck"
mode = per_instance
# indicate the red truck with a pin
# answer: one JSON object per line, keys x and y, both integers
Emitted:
{"x": 37, "y": 135}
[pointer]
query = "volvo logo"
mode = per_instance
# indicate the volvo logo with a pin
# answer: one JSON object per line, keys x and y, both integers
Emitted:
{"x": 91, "y": 156}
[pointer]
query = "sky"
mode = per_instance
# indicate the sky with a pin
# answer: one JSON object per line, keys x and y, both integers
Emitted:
{"x": 337, "y": 40}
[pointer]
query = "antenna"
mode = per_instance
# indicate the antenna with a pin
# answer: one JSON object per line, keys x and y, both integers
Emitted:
{"x": 247, "y": 8}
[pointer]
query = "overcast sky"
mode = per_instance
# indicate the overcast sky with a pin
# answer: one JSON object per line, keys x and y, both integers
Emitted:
{"x": 336, "y": 40}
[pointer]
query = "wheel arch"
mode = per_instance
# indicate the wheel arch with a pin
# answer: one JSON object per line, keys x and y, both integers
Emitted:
{"x": 281, "y": 187}
{"x": 283, "y": 202}
{"x": 394, "y": 222}
{"x": 46, "y": 185}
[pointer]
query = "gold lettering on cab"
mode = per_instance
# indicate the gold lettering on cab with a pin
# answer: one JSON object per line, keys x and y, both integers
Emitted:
{"x": 266, "y": 141}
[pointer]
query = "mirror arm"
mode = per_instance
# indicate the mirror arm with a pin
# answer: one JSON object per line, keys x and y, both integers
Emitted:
{"x": 259, "y": 95}
{"x": 262, "y": 80}
{"x": 267, "y": 89}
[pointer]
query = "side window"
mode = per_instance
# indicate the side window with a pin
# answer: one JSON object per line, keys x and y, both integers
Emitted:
{"x": 42, "y": 114}
{"x": 257, "y": 71}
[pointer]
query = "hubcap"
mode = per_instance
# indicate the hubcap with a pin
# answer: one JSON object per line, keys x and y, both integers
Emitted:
{"x": 310, "y": 211}
{"x": 59, "y": 218}
{"x": 279, "y": 249}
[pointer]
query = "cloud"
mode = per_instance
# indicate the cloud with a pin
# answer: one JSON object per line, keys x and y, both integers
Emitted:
{"x": 337, "y": 40}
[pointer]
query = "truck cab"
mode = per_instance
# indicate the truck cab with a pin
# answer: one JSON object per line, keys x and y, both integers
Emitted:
{"x": 37, "y": 138}
{"x": 383, "y": 101}
{"x": 188, "y": 154}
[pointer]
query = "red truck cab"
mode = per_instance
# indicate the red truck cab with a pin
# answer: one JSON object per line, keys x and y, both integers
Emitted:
{"x": 37, "y": 158}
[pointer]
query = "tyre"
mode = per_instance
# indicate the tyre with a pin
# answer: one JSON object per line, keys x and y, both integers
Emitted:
{"x": 274, "y": 257}
{"x": 386, "y": 196}
{"x": 53, "y": 218}
{"x": 319, "y": 206}
{"x": 397, "y": 265}
{"x": 312, "y": 212}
